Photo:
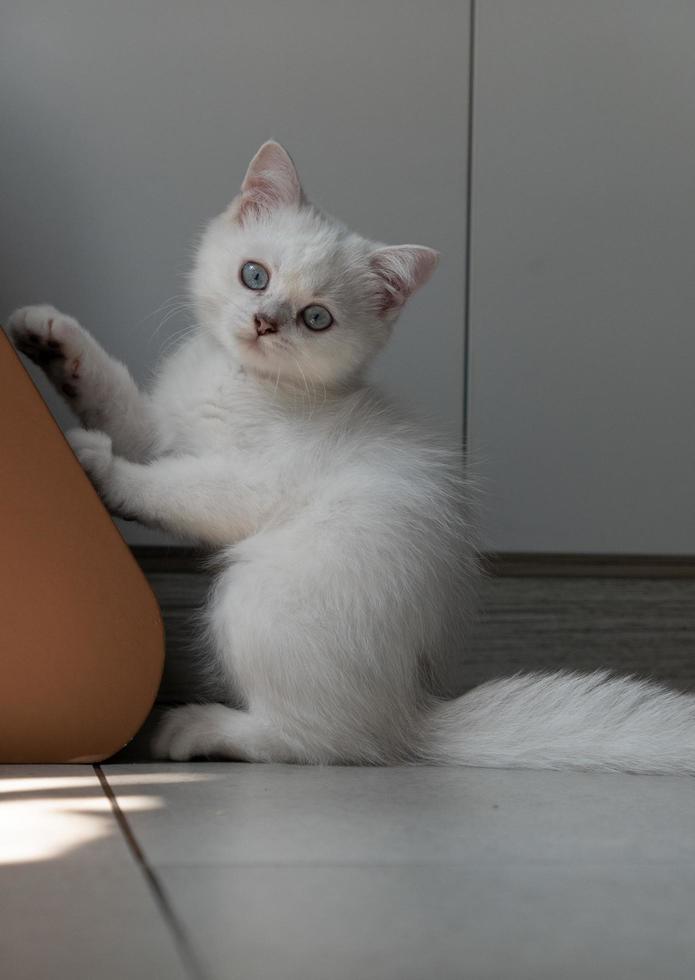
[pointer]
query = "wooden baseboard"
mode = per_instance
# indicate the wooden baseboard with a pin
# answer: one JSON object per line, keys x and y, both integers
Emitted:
{"x": 591, "y": 566}
{"x": 627, "y": 624}
{"x": 155, "y": 559}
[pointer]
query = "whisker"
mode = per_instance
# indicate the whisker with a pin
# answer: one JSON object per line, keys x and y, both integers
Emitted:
{"x": 306, "y": 385}
{"x": 174, "y": 339}
{"x": 174, "y": 304}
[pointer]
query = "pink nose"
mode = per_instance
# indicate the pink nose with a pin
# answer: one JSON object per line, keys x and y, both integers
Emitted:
{"x": 265, "y": 324}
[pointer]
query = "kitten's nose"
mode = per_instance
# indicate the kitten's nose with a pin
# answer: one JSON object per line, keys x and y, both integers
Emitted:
{"x": 265, "y": 324}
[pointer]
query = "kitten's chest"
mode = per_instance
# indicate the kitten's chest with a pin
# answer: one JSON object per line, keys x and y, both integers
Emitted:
{"x": 206, "y": 407}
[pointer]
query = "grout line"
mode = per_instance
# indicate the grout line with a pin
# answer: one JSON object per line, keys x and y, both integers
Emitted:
{"x": 468, "y": 261}
{"x": 181, "y": 941}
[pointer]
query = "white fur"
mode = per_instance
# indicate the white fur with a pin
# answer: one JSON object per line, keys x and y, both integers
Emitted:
{"x": 343, "y": 531}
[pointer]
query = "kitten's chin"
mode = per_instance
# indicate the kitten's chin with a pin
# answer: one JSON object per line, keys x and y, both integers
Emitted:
{"x": 274, "y": 360}
{"x": 257, "y": 358}
{"x": 269, "y": 365}
{"x": 268, "y": 372}
{"x": 257, "y": 351}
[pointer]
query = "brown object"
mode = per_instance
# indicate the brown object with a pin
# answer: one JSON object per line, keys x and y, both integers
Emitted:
{"x": 81, "y": 636}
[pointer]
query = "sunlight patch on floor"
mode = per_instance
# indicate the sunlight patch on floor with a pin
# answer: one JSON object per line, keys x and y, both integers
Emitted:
{"x": 44, "y": 828}
{"x": 33, "y": 784}
{"x": 148, "y": 778}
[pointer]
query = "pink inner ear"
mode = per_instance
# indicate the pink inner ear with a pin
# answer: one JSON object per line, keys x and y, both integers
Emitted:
{"x": 270, "y": 182}
{"x": 402, "y": 269}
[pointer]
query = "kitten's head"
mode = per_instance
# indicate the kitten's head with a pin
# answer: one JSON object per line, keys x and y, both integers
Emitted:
{"x": 293, "y": 294}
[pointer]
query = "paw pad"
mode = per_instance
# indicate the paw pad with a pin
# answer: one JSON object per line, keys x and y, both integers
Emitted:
{"x": 48, "y": 338}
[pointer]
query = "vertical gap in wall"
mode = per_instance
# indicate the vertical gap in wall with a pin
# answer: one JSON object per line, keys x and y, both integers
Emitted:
{"x": 468, "y": 228}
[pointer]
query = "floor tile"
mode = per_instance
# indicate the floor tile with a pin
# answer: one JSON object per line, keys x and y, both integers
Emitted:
{"x": 254, "y": 814}
{"x": 74, "y": 902}
{"x": 418, "y": 922}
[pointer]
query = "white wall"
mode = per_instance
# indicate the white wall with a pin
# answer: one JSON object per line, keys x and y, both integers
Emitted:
{"x": 128, "y": 124}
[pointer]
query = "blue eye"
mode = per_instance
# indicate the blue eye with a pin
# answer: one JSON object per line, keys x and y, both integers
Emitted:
{"x": 316, "y": 317}
{"x": 254, "y": 275}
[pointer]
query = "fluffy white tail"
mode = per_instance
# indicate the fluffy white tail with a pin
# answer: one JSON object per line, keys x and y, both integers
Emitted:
{"x": 565, "y": 721}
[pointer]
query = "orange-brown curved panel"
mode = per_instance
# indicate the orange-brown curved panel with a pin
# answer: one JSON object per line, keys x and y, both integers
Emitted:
{"x": 81, "y": 635}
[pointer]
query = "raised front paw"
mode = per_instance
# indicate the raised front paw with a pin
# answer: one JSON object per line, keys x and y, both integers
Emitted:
{"x": 93, "y": 449}
{"x": 52, "y": 340}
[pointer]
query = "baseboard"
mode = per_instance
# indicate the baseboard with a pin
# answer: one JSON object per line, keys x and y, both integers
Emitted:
{"x": 154, "y": 559}
{"x": 157, "y": 558}
{"x": 559, "y": 565}
{"x": 629, "y": 624}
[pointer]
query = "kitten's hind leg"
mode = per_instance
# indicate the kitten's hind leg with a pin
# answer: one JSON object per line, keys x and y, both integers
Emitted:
{"x": 221, "y": 732}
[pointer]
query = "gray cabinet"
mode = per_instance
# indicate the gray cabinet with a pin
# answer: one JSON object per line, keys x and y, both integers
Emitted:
{"x": 582, "y": 329}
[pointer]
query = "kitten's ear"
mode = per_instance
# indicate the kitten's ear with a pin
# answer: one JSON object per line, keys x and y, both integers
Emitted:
{"x": 270, "y": 182}
{"x": 400, "y": 270}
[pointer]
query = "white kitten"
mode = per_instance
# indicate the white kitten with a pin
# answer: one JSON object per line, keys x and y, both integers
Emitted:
{"x": 344, "y": 535}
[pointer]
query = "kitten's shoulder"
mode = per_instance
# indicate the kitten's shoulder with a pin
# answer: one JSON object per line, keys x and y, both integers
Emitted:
{"x": 372, "y": 421}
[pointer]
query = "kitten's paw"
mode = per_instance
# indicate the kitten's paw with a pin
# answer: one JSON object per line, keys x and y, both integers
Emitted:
{"x": 190, "y": 731}
{"x": 52, "y": 340}
{"x": 93, "y": 449}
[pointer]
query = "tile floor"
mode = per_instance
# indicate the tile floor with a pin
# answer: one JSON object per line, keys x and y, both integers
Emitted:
{"x": 285, "y": 873}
